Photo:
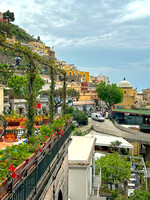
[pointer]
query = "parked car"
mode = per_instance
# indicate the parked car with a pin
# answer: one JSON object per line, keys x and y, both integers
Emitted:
{"x": 75, "y": 123}
{"x": 98, "y": 117}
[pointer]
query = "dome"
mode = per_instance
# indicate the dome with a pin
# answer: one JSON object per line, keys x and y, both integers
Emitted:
{"x": 125, "y": 84}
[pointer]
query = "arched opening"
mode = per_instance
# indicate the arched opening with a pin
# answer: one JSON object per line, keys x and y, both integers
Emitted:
{"x": 60, "y": 197}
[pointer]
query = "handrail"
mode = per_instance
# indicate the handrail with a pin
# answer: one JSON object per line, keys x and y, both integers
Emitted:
{"x": 34, "y": 164}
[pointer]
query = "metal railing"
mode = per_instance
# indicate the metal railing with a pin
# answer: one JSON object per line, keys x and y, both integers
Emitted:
{"x": 33, "y": 171}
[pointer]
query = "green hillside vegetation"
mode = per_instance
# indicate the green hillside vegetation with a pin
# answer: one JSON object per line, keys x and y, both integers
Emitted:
{"x": 21, "y": 34}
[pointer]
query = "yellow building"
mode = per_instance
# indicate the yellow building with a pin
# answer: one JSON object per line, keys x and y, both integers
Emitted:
{"x": 129, "y": 95}
{"x": 38, "y": 46}
{"x": 71, "y": 71}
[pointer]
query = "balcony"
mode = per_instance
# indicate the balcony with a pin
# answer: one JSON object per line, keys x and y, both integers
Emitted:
{"x": 37, "y": 170}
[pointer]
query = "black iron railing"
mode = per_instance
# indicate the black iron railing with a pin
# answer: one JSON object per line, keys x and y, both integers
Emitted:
{"x": 38, "y": 166}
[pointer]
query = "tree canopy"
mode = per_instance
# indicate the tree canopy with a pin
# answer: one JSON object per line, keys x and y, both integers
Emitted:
{"x": 9, "y": 15}
{"x": 110, "y": 94}
{"x": 72, "y": 93}
{"x": 19, "y": 85}
{"x": 113, "y": 168}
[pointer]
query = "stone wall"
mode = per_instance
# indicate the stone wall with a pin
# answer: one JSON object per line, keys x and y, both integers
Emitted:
{"x": 59, "y": 184}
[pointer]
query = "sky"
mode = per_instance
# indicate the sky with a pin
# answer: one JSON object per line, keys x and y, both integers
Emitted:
{"x": 107, "y": 37}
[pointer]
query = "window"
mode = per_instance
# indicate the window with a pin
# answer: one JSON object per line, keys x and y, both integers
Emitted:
{"x": 83, "y": 74}
{"x": 70, "y": 73}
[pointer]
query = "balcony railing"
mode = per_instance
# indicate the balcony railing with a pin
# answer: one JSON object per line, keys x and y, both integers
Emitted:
{"x": 31, "y": 174}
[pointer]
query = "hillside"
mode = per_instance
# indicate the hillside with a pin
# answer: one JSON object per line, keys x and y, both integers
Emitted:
{"x": 21, "y": 34}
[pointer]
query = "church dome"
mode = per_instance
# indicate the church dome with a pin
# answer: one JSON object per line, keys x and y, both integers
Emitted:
{"x": 125, "y": 84}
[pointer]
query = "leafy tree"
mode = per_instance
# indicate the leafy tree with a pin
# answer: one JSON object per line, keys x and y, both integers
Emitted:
{"x": 9, "y": 15}
{"x": 80, "y": 117}
{"x": 72, "y": 93}
{"x": 4, "y": 73}
{"x": 110, "y": 94}
{"x": 140, "y": 195}
{"x": 5, "y": 29}
{"x": 19, "y": 85}
{"x": 113, "y": 168}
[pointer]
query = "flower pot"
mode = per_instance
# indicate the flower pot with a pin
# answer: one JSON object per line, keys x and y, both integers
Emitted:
{"x": 28, "y": 160}
{"x": 18, "y": 171}
{"x": 4, "y": 188}
{"x": 45, "y": 121}
{"x": 13, "y": 123}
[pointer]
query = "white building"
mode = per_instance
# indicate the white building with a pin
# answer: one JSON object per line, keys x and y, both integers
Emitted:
{"x": 82, "y": 179}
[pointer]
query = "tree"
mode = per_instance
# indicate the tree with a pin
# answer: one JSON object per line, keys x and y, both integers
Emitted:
{"x": 9, "y": 15}
{"x": 110, "y": 94}
{"x": 140, "y": 195}
{"x": 19, "y": 85}
{"x": 4, "y": 73}
{"x": 5, "y": 29}
{"x": 72, "y": 93}
{"x": 113, "y": 168}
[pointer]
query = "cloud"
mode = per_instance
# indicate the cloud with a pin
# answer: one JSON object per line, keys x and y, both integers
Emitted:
{"x": 136, "y": 9}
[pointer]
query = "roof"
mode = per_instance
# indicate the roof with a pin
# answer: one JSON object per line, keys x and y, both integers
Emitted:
{"x": 75, "y": 103}
{"x": 138, "y": 112}
{"x": 105, "y": 140}
{"x": 125, "y": 84}
{"x": 81, "y": 150}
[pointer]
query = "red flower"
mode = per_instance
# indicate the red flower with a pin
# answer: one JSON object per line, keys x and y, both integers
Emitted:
{"x": 61, "y": 134}
{"x": 13, "y": 175}
{"x": 60, "y": 126}
{"x": 40, "y": 150}
{"x": 60, "y": 129}
{"x": 13, "y": 169}
{"x": 2, "y": 178}
{"x": 51, "y": 135}
{"x": 18, "y": 176}
{"x": 36, "y": 150}
{"x": 55, "y": 133}
{"x": 46, "y": 138}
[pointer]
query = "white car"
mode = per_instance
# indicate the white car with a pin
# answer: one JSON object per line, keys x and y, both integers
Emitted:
{"x": 98, "y": 117}
{"x": 75, "y": 123}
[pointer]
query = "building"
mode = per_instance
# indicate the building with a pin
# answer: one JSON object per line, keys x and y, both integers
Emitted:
{"x": 82, "y": 180}
{"x": 146, "y": 95}
{"x": 1, "y": 18}
{"x": 1, "y": 99}
{"x": 101, "y": 78}
{"x": 129, "y": 95}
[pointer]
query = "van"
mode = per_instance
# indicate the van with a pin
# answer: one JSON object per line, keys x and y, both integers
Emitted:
{"x": 98, "y": 117}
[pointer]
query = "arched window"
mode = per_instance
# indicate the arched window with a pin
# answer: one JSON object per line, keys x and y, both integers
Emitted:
{"x": 60, "y": 196}
{"x": 70, "y": 73}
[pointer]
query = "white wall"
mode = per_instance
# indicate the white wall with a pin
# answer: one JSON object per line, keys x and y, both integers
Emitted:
{"x": 77, "y": 183}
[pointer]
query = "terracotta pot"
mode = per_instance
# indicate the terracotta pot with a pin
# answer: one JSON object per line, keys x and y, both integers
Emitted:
{"x": 2, "y": 185}
{"x": 13, "y": 123}
{"x": 18, "y": 172}
{"x": 28, "y": 160}
{"x": 45, "y": 121}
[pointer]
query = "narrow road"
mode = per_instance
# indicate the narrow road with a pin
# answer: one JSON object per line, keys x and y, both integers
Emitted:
{"x": 109, "y": 128}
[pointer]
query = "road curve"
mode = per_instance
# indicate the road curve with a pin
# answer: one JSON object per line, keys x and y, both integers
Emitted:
{"x": 109, "y": 128}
